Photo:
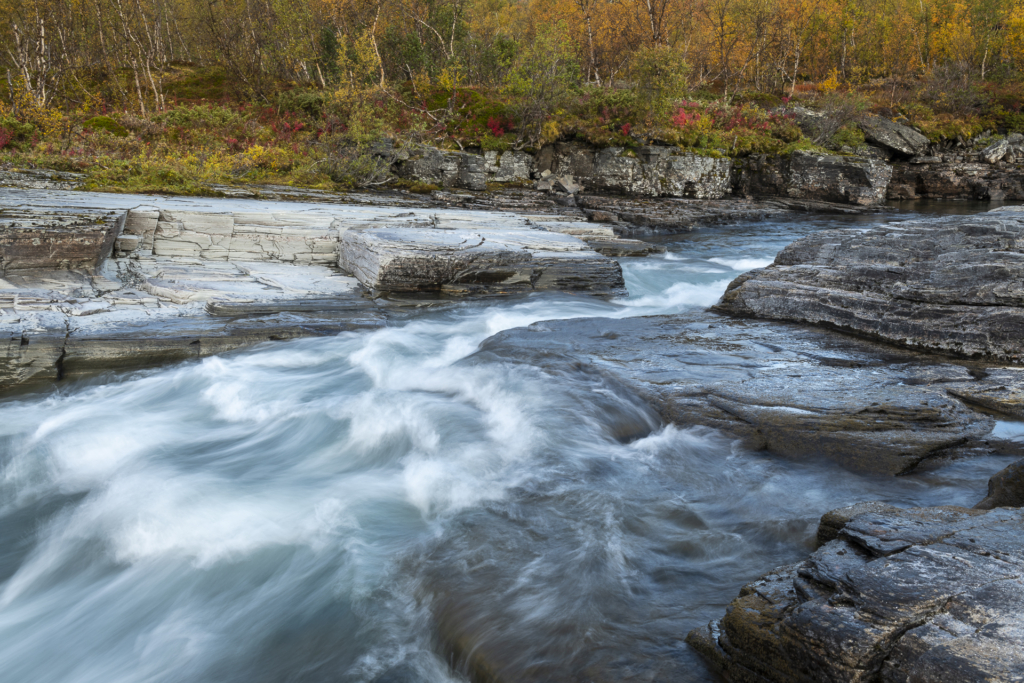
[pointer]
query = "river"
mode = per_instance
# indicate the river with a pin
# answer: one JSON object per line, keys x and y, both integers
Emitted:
{"x": 295, "y": 512}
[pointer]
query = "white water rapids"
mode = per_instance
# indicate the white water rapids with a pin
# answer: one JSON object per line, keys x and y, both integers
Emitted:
{"x": 278, "y": 514}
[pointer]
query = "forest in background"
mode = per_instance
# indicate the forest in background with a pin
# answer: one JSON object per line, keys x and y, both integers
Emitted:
{"x": 175, "y": 94}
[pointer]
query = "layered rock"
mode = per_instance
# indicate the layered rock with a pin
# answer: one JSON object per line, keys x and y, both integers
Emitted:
{"x": 804, "y": 175}
{"x": 928, "y": 594}
{"x": 451, "y": 260}
{"x": 798, "y": 392}
{"x": 932, "y": 177}
{"x": 650, "y": 170}
{"x": 58, "y": 241}
{"x": 110, "y": 290}
{"x": 954, "y": 285}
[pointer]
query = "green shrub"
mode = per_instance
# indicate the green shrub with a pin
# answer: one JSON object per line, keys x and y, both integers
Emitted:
{"x": 849, "y": 136}
{"x": 108, "y": 124}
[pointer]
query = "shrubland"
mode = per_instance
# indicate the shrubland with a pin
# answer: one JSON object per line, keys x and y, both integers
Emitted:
{"x": 171, "y": 96}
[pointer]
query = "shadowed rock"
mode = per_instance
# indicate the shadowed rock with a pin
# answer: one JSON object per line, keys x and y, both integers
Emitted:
{"x": 1005, "y": 488}
{"x": 926, "y": 594}
{"x": 954, "y": 285}
{"x": 818, "y": 177}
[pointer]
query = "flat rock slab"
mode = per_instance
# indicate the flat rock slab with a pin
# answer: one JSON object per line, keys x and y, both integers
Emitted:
{"x": 925, "y": 594}
{"x": 424, "y": 258}
{"x": 954, "y": 285}
{"x": 798, "y": 392}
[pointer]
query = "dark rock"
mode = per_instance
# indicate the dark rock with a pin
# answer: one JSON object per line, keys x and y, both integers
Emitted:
{"x": 617, "y": 246}
{"x": 893, "y": 136}
{"x": 935, "y": 178}
{"x": 448, "y": 169}
{"x": 56, "y": 241}
{"x": 798, "y": 392}
{"x": 928, "y": 594}
{"x": 804, "y": 175}
{"x": 832, "y": 522}
{"x": 954, "y": 285}
{"x": 1005, "y": 488}
{"x": 598, "y": 216}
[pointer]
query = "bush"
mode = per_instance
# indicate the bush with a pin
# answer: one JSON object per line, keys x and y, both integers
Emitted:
{"x": 108, "y": 124}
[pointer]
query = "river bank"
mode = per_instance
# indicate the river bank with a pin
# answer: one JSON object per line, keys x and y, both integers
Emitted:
{"x": 459, "y": 482}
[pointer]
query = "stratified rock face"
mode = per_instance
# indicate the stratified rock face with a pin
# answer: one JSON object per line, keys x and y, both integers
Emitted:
{"x": 508, "y": 167}
{"x": 30, "y": 240}
{"x": 954, "y": 285}
{"x": 424, "y": 258}
{"x": 895, "y": 137}
{"x": 820, "y": 177}
{"x": 802, "y": 393}
{"x": 960, "y": 177}
{"x": 447, "y": 169}
{"x": 926, "y": 594}
{"x": 648, "y": 171}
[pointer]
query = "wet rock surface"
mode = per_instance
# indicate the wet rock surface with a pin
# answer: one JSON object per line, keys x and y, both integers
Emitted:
{"x": 953, "y": 285}
{"x": 798, "y": 392}
{"x": 921, "y": 594}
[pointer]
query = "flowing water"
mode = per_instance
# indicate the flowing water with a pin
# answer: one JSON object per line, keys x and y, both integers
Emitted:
{"x": 293, "y": 512}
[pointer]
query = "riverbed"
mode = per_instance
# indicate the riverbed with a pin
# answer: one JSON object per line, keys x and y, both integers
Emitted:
{"x": 300, "y": 511}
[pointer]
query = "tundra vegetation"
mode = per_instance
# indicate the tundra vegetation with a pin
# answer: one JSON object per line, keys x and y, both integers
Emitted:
{"x": 179, "y": 96}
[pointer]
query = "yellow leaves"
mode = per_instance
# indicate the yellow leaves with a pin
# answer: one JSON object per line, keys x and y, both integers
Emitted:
{"x": 267, "y": 158}
{"x": 450, "y": 78}
{"x": 830, "y": 84}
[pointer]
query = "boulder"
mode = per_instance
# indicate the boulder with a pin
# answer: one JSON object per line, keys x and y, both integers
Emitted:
{"x": 821, "y": 177}
{"x": 1005, "y": 488}
{"x": 896, "y": 137}
{"x": 953, "y": 285}
{"x": 996, "y": 151}
{"x": 926, "y": 594}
